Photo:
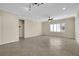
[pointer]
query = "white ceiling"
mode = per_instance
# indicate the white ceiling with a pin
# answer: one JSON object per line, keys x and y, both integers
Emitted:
{"x": 42, "y": 12}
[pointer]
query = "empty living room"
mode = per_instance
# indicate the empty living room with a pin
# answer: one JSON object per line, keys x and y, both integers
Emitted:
{"x": 39, "y": 29}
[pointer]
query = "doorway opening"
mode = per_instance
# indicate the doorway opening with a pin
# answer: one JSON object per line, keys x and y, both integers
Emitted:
{"x": 21, "y": 29}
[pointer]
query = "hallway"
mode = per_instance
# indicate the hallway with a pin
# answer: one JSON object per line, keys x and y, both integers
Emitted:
{"x": 41, "y": 46}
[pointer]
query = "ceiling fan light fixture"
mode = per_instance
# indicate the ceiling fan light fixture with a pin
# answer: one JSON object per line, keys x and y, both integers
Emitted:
{"x": 50, "y": 19}
{"x": 34, "y": 5}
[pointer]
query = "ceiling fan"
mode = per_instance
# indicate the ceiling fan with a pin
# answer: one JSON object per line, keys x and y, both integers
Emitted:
{"x": 38, "y": 4}
{"x": 34, "y": 5}
{"x": 50, "y": 19}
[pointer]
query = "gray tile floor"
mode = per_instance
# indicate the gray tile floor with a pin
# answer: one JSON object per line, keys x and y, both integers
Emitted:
{"x": 41, "y": 46}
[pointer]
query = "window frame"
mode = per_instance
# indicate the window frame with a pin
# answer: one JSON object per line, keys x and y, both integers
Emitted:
{"x": 54, "y": 27}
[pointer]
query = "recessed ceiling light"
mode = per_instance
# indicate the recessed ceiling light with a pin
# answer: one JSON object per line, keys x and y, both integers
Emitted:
{"x": 64, "y": 8}
{"x": 26, "y": 8}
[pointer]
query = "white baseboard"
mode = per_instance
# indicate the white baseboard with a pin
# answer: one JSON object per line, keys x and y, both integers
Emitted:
{"x": 8, "y": 42}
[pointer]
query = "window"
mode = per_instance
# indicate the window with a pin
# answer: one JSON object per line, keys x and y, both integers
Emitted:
{"x": 57, "y": 27}
{"x": 63, "y": 27}
{"x": 52, "y": 27}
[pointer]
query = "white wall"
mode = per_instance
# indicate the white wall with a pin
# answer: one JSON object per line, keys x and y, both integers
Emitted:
{"x": 0, "y": 30}
{"x": 32, "y": 28}
{"x": 77, "y": 27}
{"x": 69, "y": 28}
{"x": 10, "y": 30}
